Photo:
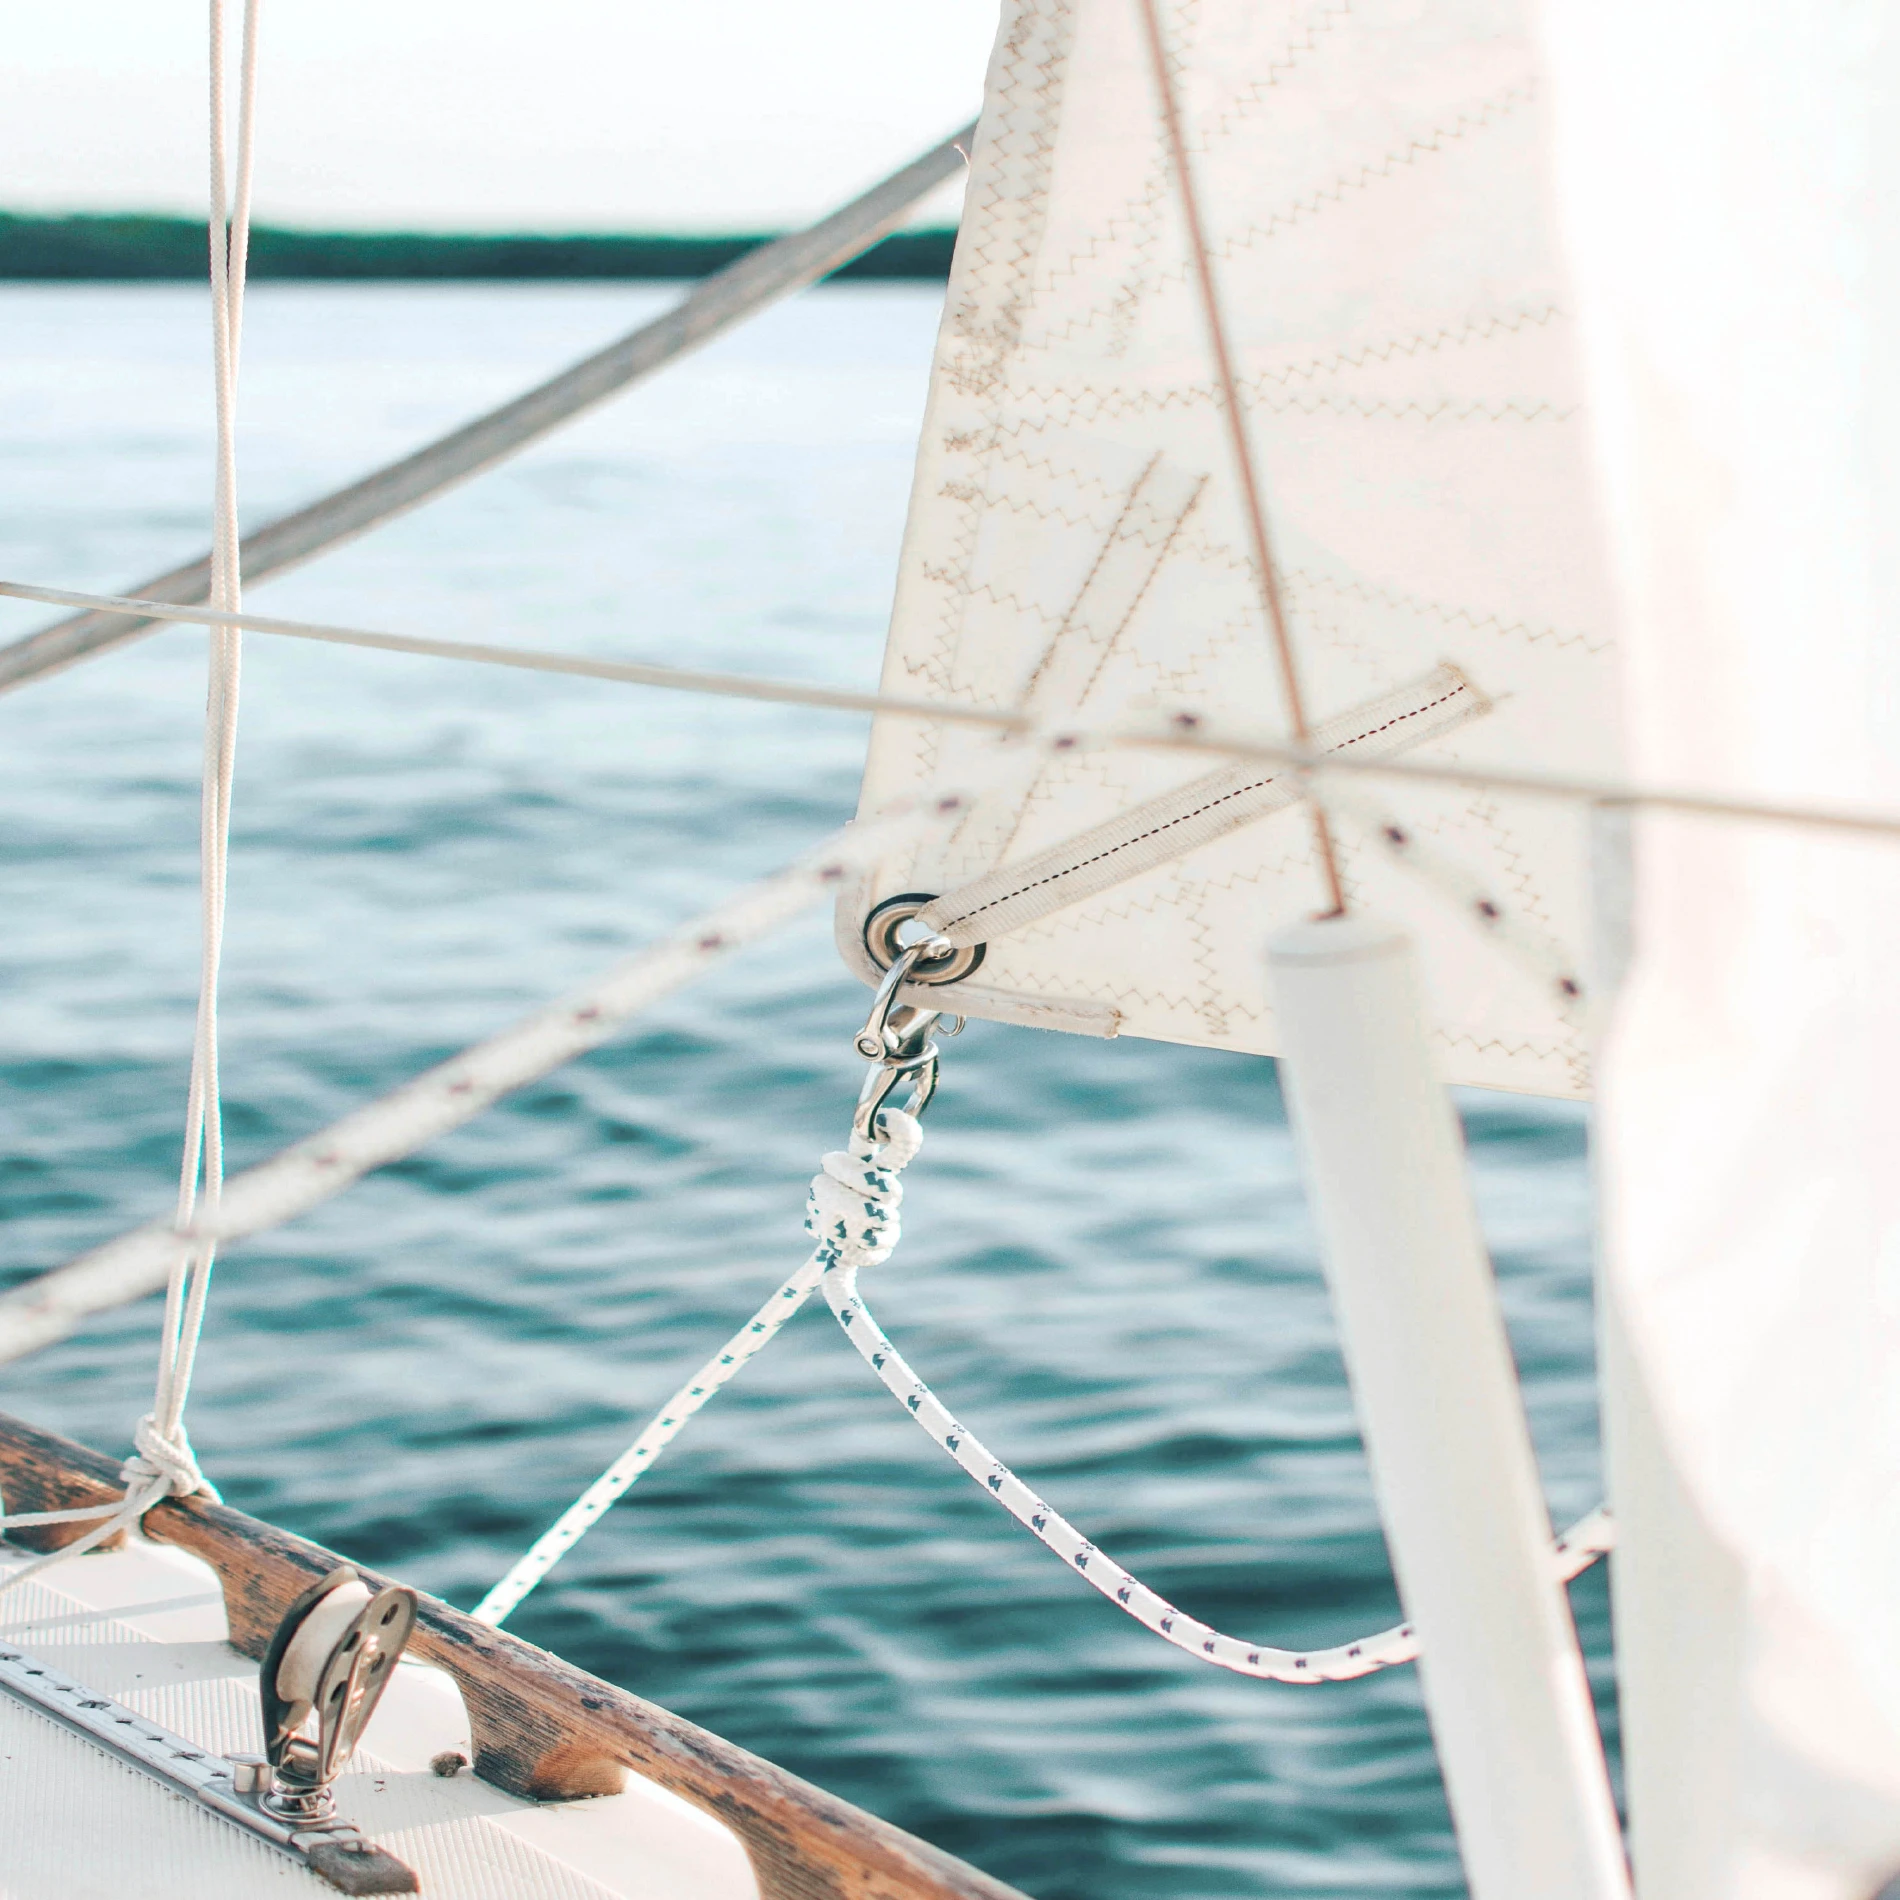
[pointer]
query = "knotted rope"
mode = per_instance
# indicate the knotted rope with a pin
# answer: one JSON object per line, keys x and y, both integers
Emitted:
{"x": 851, "y": 1208}
{"x": 163, "y": 1465}
{"x": 851, "y": 1212}
{"x": 165, "y": 1461}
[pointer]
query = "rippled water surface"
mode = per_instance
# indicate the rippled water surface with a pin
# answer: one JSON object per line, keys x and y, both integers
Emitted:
{"x": 1106, "y": 1267}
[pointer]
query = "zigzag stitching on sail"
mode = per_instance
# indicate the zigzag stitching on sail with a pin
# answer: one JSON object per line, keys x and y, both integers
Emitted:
{"x": 1446, "y": 411}
{"x": 1564, "y": 1052}
{"x": 1019, "y": 443}
{"x": 1157, "y": 502}
{"x": 1301, "y": 579}
{"x": 1139, "y": 277}
{"x": 1068, "y": 404}
{"x": 1474, "y": 330}
{"x": 1066, "y": 409}
{"x": 1139, "y": 214}
{"x": 968, "y": 492}
{"x": 1511, "y": 861}
{"x": 1479, "y": 118}
{"x": 1252, "y": 97}
{"x": 998, "y": 597}
{"x": 1383, "y": 170}
{"x": 1187, "y": 676}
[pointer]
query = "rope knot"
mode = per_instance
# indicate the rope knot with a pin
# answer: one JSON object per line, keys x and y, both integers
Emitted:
{"x": 852, "y": 1208}
{"x": 168, "y": 1463}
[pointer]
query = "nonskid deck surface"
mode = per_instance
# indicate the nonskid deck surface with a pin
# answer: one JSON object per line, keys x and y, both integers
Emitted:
{"x": 145, "y": 1626}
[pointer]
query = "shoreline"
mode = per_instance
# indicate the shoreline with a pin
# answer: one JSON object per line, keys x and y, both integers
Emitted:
{"x": 135, "y": 248}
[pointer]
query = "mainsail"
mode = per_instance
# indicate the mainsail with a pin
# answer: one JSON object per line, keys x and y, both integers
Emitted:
{"x": 1374, "y": 183}
{"x": 1730, "y": 195}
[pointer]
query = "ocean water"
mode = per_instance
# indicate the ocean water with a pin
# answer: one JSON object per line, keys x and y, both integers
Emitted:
{"x": 1107, "y": 1268}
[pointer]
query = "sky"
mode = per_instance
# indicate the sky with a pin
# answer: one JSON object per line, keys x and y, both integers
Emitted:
{"x": 477, "y": 115}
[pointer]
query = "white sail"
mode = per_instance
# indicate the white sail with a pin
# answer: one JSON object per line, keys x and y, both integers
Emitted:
{"x": 1730, "y": 180}
{"x": 1374, "y": 183}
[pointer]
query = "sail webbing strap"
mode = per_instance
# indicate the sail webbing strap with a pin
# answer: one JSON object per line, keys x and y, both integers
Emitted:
{"x": 853, "y": 1206}
{"x": 1180, "y": 821}
{"x": 1125, "y": 568}
{"x": 1078, "y": 647}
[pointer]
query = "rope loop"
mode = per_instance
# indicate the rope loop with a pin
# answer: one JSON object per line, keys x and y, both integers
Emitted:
{"x": 852, "y": 1209}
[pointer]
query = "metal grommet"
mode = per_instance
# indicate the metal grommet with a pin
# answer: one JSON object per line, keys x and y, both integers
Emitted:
{"x": 880, "y": 942}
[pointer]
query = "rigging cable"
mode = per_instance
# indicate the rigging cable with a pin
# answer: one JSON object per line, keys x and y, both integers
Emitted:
{"x": 1181, "y": 731}
{"x": 714, "y": 304}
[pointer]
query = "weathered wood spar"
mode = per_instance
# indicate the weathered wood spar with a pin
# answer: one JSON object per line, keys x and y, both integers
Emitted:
{"x": 541, "y": 1727}
{"x": 755, "y": 280}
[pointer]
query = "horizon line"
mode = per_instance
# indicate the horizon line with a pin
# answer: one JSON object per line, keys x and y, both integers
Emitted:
{"x": 141, "y": 246}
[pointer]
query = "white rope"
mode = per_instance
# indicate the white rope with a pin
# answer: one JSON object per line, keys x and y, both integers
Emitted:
{"x": 678, "y": 679}
{"x": 159, "y": 1468}
{"x": 163, "y": 1464}
{"x": 853, "y": 1206}
{"x": 1572, "y": 1554}
{"x": 164, "y": 1450}
{"x": 852, "y": 1212}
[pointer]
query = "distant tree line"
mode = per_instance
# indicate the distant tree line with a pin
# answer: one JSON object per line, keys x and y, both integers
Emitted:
{"x": 143, "y": 249}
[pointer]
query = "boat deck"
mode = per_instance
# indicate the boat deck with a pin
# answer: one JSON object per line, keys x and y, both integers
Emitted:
{"x": 145, "y": 1625}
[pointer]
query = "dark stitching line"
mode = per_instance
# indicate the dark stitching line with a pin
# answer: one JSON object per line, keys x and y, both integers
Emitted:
{"x": 1226, "y": 798}
{"x": 1359, "y": 738}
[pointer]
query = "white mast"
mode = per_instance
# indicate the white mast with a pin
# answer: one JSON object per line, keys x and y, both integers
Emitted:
{"x": 1444, "y": 1424}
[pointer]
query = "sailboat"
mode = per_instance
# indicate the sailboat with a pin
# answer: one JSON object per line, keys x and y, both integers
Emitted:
{"x": 1394, "y": 582}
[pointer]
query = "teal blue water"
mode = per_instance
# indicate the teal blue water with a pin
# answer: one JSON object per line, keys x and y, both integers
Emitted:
{"x": 1107, "y": 1268}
